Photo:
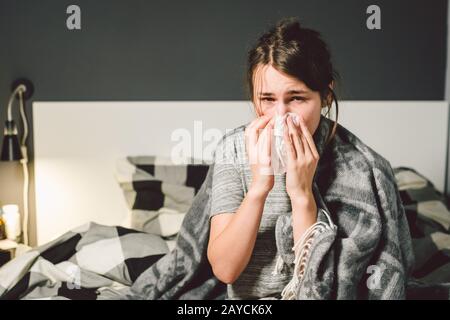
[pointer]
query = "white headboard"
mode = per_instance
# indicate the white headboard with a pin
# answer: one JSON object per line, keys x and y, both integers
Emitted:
{"x": 77, "y": 145}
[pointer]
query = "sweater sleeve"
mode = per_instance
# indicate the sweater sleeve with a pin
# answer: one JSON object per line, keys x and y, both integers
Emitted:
{"x": 227, "y": 191}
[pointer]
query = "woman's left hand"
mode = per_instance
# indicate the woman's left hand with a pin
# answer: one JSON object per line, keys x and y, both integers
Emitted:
{"x": 302, "y": 160}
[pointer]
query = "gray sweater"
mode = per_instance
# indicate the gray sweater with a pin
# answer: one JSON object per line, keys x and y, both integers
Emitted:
{"x": 231, "y": 181}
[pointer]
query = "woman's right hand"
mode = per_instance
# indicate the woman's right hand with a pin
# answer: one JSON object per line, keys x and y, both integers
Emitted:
{"x": 258, "y": 141}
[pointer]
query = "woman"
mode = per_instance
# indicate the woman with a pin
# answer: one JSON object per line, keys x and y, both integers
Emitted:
{"x": 337, "y": 202}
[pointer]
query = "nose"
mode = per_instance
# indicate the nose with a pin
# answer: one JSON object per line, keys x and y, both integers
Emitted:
{"x": 281, "y": 109}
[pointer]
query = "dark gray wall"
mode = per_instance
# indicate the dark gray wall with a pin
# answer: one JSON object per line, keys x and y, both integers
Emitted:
{"x": 195, "y": 50}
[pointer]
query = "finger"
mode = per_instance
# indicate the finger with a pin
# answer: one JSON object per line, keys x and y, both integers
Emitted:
{"x": 263, "y": 140}
{"x": 290, "y": 151}
{"x": 265, "y": 123}
{"x": 295, "y": 138}
{"x": 250, "y": 132}
{"x": 270, "y": 136}
{"x": 308, "y": 137}
{"x": 256, "y": 120}
{"x": 250, "y": 142}
{"x": 272, "y": 122}
{"x": 307, "y": 150}
{"x": 270, "y": 127}
{"x": 270, "y": 133}
{"x": 264, "y": 148}
{"x": 247, "y": 134}
{"x": 254, "y": 123}
{"x": 261, "y": 121}
{"x": 255, "y": 130}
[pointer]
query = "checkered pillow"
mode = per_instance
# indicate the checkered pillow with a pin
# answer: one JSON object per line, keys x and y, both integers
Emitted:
{"x": 159, "y": 192}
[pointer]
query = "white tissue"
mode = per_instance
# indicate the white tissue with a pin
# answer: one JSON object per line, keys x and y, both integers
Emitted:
{"x": 278, "y": 153}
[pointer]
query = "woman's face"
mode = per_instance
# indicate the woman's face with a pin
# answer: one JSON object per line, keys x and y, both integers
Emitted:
{"x": 281, "y": 93}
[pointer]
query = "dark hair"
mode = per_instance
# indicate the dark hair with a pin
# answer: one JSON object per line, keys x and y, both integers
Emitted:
{"x": 298, "y": 52}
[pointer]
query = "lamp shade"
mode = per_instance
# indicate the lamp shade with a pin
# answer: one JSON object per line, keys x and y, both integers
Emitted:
{"x": 10, "y": 148}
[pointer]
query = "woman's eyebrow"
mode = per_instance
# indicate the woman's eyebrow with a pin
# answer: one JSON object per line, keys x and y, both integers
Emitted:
{"x": 290, "y": 92}
{"x": 266, "y": 94}
{"x": 297, "y": 92}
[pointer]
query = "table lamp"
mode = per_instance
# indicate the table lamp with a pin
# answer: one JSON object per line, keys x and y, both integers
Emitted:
{"x": 12, "y": 150}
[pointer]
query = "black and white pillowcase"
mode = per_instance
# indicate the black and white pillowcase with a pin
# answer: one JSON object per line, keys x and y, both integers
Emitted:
{"x": 159, "y": 192}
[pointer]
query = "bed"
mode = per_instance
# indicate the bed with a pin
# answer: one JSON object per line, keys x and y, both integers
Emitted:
{"x": 92, "y": 163}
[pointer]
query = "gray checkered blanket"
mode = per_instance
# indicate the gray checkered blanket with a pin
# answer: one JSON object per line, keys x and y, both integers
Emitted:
{"x": 90, "y": 262}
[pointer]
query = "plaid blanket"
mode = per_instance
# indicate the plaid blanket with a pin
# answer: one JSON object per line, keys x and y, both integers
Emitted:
{"x": 90, "y": 262}
{"x": 429, "y": 222}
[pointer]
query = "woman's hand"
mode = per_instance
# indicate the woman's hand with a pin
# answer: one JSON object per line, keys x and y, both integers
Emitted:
{"x": 301, "y": 167}
{"x": 302, "y": 160}
{"x": 258, "y": 140}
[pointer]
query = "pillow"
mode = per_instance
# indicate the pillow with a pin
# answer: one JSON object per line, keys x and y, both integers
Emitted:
{"x": 429, "y": 222}
{"x": 159, "y": 192}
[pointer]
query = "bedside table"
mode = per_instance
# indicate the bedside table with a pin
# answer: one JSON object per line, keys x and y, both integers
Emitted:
{"x": 7, "y": 250}
{"x": 10, "y": 249}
